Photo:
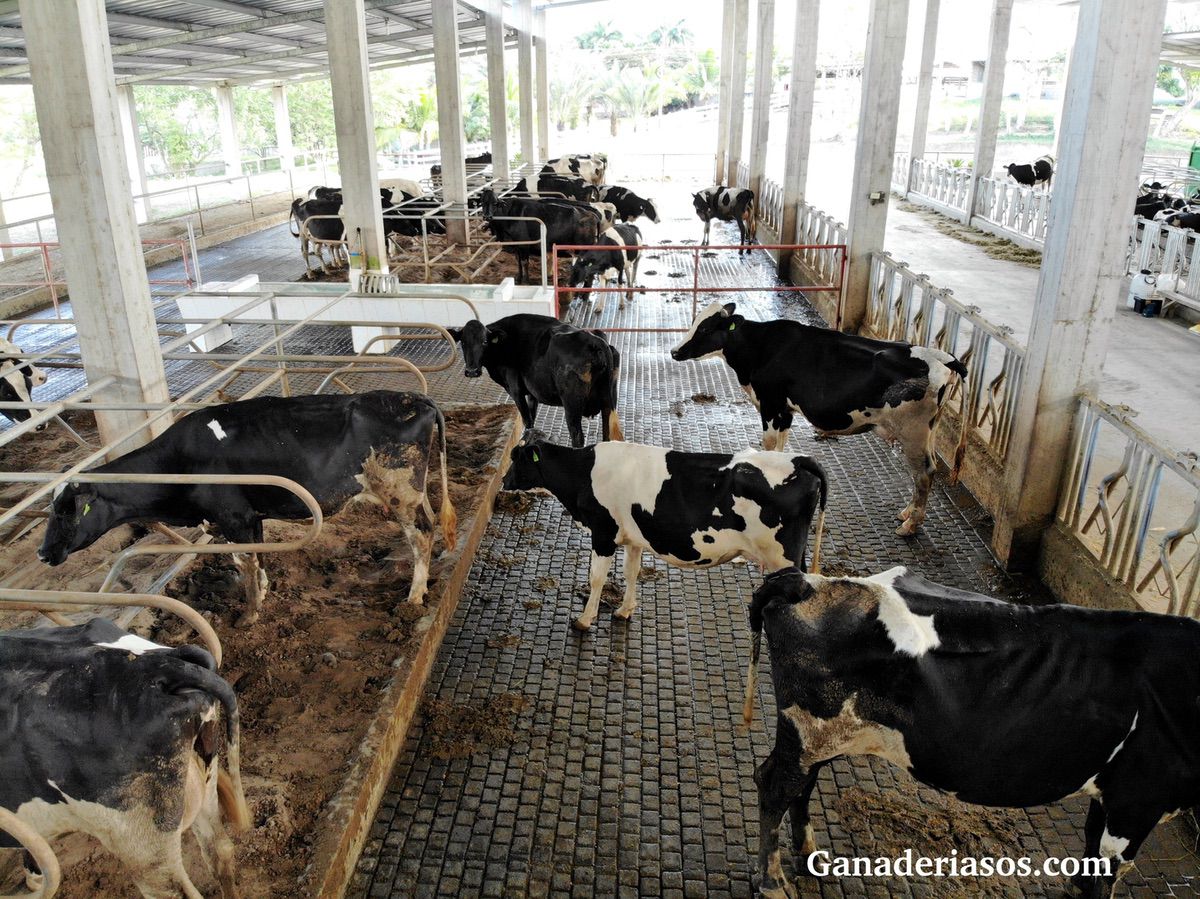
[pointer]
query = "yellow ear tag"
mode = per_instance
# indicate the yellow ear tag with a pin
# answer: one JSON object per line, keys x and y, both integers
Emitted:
{"x": 536, "y": 457}
{"x": 87, "y": 508}
{"x": 732, "y": 325}
{"x": 495, "y": 340}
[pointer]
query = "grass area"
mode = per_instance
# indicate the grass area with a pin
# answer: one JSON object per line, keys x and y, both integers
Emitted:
{"x": 996, "y": 247}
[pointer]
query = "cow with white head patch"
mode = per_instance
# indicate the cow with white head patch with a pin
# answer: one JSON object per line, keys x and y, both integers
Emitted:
{"x": 692, "y": 510}
{"x": 841, "y": 383}
{"x": 999, "y": 704}
{"x": 17, "y": 380}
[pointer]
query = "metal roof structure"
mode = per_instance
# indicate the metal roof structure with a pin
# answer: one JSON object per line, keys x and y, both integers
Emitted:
{"x": 1181, "y": 48}
{"x": 200, "y": 42}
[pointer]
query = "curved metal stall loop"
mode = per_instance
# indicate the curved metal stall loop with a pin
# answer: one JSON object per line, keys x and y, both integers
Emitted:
{"x": 401, "y": 366}
{"x": 442, "y": 334}
{"x": 42, "y": 854}
{"x": 45, "y": 601}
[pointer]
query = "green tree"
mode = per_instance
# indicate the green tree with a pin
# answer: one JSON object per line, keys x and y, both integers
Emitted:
{"x": 178, "y": 124}
{"x": 254, "y": 114}
{"x": 602, "y": 36}
{"x": 20, "y": 139}
{"x": 310, "y": 106}
{"x": 420, "y": 114}
{"x": 1189, "y": 82}
{"x": 635, "y": 93}
{"x": 701, "y": 77}
{"x": 570, "y": 95}
{"x": 676, "y": 35}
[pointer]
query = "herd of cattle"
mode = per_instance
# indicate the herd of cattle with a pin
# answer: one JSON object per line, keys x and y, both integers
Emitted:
{"x": 1000, "y": 704}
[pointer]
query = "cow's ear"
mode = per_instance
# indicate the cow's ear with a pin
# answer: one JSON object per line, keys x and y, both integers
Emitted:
{"x": 495, "y": 335}
{"x": 730, "y": 308}
{"x": 456, "y": 333}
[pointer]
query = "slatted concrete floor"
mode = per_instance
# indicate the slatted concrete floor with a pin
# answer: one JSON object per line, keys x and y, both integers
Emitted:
{"x": 629, "y": 773}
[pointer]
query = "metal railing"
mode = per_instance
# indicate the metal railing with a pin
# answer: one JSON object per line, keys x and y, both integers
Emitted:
{"x": 770, "y": 205}
{"x": 743, "y": 175}
{"x": 1023, "y": 211}
{"x": 818, "y": 232}
{"x": 901, "y": 164}
{"x": 1173, "y": 254}
{"x": 904, "y": 305}
{"x": 944, "y": 184}
{"x": 1138, "y": 520}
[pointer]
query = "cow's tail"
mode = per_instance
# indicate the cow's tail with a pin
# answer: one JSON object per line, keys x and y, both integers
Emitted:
{"x": 294, "y": 217}
{"x": 229, "y": 790}
{"x": 752, "y": 674}
{"x": 599, "y": 373}
{"x": 814, "y": 468}
{"x": 752, "y": 227}
{"x": 449, "y": 518}
{"x": 964, "y": 425}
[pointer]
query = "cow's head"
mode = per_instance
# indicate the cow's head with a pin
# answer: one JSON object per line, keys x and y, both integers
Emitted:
{"x": 525, "y": 464}
{"x": 475, "y": 338}
{"x": 700, "y": 202}
{"x": 78, "y": 518}
{"x": 17, "y": 380}
{"x": 650, "y": 211}
{"x": 709, "y": 333}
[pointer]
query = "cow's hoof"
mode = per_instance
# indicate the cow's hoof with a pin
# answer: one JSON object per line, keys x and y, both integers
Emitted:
{"x": 904, "y": 514}
{"x": 908, "y": 529}
{"x": 781, "y": 890}
{"x": 623, "y": 613}
{"x": 580, "y": 625}
{"x": 246, "y": 619}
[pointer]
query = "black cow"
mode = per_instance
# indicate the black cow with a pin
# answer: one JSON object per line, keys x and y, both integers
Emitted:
{"x": 588, "y": 166}
{"x": 539, "y": 359}
{"x": 629, "y": 205}
{"x": 841, "y": 383}
{"x": 472, "y": 164}
{"x": 616, "y": 265}
{"x": 1000, "y": 704}
{"x": 17, "y": 380}
{"x": 114, "y": 736}
{"x": 405, "y": 216}
{"x": 692, "y": 510}
{"x": 371, "y": 446}
{"x": 569, "y": 186}
{"x": 334, "y": 194}
{"x": 729, "y": 204}
{"x": 315, "y": 222}
{"x": 1041, "y": 171}
{"x": 567, "y": 223}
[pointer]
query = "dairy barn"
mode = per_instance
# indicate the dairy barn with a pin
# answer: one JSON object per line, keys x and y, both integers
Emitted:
{"x": 455, "y": 448}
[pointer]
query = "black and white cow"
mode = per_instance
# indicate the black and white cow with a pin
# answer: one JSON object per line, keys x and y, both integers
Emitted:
{"x": 316, "y": 223}
{"x": 841, "y": 383}
{"x": 692, "y": 510}
{"x": 368, "y": 446}
{"x": 514, "y": 221}
{"x": 108, "y": 734}
{"x": 1187, "y": 219}
{"x": 17, "y": 380}
{"x": 629, "y": 205}
{"x": 588, "y": 166}
{"x": 1000, "y": 704}
{"x": 1041, "y": 171}
{"x": 570, "y": 186}
{"x": 539, "y": 359}
{"x": 729, "y": 204}
{"x": 473, "y": 165}
{"x": 617, "y": 265}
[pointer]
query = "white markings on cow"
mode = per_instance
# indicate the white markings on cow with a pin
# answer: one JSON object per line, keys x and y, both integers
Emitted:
{"x": 215, "y": 427}
{"x": 846, "y": 733}
{"x": 754, "y": 540}
{"x": 911, "y": 634}
{"x": 775, "y": 467}
{"x": 14, "y": 376}
{"x": 1089, "y": 788}
{"x": 937, "y": 360}
{"x": 1112, "y": 845}
{"x": 627, "y": 475}
{"x": 708, "y": 312}
{"x": 1121, "y": 745}
{"x": 132, "y": 643}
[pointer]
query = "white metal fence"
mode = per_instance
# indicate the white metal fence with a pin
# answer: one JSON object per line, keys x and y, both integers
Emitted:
{"x": 905, "y": 305}
{"x": 1173, "y": 254}
{"x": 944, "y": 184}
{"x": 817, "y": 231}
{"x": 1138, "y": 519}
{"x": 1018, "y": 210}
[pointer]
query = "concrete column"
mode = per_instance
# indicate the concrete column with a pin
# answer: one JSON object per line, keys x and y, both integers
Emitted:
{"x": 354, "y": 121}
{"x": 127, "y": 109}
{"x": 450, "y": 121}
{"x": 1106, "y": 118}
{"x": 727, "y": 20}
{"x": 737, "y": 89}
{"x": 799, "y": 122}
{"x": 875, "y": 150}
{"x": 70, "y": 63}
{"x": 993, "y": 99}
{"x": 543, "y": 85}
{"x": 1062, "y": 105}
{"x": 283, "y": 128}
{"x": 4, "y": 235}
{"x": 497, "y": 100}
{"x": 924, "y": 87}
{"x": 230, "y": 151}
{"x": 760, "y": 122}
{"x": 525, "y": 78}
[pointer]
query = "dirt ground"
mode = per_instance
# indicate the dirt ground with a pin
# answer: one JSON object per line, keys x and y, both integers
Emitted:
{"x": 996, "y": 247}
{"x": 334, "y": 631}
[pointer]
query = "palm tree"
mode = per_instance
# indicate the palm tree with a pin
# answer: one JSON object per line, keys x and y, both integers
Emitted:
{"x": 602, "y": 36}
{"x": 419, "y": 113}
{"x": 568, "y": 96}
{"x": 676, "y": 35}
{"x": 701, "y": 77}
{"x": 636, "y": 92}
